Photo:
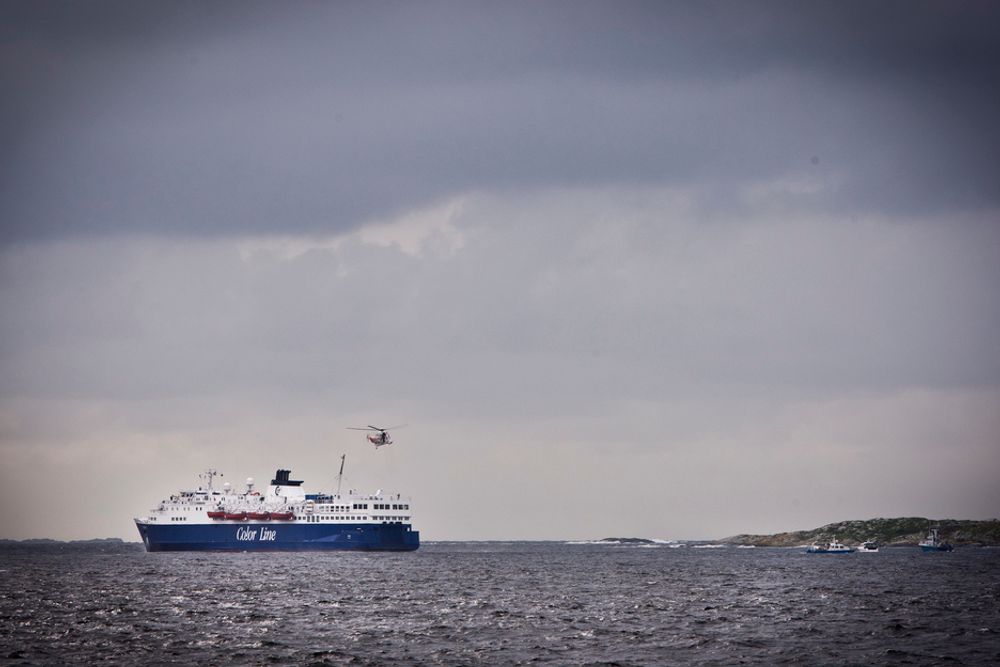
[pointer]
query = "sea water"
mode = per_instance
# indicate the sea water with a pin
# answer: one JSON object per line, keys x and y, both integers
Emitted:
{"x": 501, "y": 604}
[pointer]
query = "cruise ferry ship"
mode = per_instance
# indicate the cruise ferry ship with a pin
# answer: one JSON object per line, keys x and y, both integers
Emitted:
{"x": 281, "y": 518}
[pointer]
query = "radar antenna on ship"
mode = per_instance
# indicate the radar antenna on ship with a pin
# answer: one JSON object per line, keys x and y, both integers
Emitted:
{"x": 208, "y": 475}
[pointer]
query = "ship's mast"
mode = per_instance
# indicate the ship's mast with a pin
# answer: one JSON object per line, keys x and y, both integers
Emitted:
{"x": 208, "y": 475}
{"x": 340, "y": 475}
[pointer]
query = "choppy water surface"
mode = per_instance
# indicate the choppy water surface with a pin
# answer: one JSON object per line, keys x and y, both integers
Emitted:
{"x": 511, "y": 603}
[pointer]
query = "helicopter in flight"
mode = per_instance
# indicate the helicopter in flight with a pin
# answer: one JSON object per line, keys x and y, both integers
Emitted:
{"x": 378, "y": 436}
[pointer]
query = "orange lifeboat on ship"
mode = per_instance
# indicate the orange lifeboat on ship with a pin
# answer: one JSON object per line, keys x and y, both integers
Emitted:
{"x": 217, "y": 514}
{"x": 236, "y": 516}
{"x": 258, "y": 516}
{"x": 282, "y": 516}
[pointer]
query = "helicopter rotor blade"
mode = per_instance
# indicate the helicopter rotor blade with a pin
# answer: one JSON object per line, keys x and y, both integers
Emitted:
{"x": 356, "y": 428}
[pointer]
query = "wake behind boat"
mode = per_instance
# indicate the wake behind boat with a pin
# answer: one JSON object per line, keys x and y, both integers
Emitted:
{"x": 283, "y": 518}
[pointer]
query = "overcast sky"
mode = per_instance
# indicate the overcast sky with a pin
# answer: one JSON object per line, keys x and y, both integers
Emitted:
{"x": 669, "y": 270}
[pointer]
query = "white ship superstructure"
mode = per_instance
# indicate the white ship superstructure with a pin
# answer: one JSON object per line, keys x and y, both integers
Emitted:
{"x": 283, "y": 516}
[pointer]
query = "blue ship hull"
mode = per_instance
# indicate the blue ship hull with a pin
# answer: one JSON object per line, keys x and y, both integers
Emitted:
{"x": 274, "y": 536}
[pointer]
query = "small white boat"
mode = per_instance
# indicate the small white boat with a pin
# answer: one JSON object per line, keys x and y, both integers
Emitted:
{"x": 868, "y": 547}
{"x": 832, "y": 547}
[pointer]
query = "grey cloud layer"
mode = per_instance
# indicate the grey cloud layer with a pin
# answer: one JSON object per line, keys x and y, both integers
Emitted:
{"x": 729, "y": 377}
{"x": 749, "y": 249}
{"x": 545, "y": 305}
{"x": 232, "y": 118}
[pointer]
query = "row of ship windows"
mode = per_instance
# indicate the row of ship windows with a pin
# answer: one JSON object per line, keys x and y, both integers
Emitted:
{"x": 362, "y": 506}
{"x": 317, "y": 519}
{"x": 357, "y": 506}
{"x": 178, "y": 518}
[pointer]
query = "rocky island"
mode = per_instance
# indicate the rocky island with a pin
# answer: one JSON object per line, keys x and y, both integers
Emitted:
{"x": 905, "y": 531}
{"x": 626, "y": 540}
{"x": 100, "y": 545}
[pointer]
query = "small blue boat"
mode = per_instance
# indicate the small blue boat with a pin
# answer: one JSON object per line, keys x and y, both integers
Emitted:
{"x": 934, "y": 543}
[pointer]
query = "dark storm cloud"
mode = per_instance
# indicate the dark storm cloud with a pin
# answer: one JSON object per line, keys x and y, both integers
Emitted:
{"x": 220, "y": 118}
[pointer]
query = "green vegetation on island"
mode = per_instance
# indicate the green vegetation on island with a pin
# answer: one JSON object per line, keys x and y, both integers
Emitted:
{"x": 102, "y": 545}
{"x": 904, "y": 531}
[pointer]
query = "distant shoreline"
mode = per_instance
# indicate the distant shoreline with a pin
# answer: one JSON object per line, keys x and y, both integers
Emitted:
{"x": 97, "y": 545}
{"x": 900, "y": 531}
